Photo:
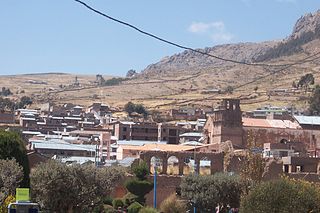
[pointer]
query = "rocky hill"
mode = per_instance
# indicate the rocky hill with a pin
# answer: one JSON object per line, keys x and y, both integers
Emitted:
{"x": 306, "y": 29}
{"x": 192, "y": 79}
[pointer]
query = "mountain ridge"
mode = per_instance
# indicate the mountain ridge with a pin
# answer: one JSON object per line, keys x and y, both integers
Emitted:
{"x": 306, "y": 29}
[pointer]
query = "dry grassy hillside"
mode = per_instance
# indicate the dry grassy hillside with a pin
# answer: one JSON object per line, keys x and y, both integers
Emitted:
{"x": 172, "y": 91}
{"x": 189, "y": 78}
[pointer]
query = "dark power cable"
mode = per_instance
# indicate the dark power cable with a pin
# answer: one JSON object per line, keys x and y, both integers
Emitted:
{"x": 175, "y": 44}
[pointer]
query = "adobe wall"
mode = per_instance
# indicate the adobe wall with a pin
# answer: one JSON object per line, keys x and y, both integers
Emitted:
{"x": 216, "y": 160}
{"x": 166, "y": 185}
{"x": 274, "y": 135}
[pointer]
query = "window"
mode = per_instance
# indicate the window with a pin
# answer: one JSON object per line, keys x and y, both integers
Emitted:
{"x": 124, "y": 129}
{"x": 299, "y": 168}
{"x": 172, "y": 132}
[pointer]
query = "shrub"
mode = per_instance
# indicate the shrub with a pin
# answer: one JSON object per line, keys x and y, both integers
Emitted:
{"x": 109, "y": 209}
{"x": 208, "y": 192}
{"x": 117, "y": 203}
{"x": 12, "y": 146}
{"x": 139, "y": 188}
{"x": 107, "y": 200}
{"x": 129, "y": 198}
{"x": 148, "y": 210}
{"x": 141, "y": 170}
{"x": 134, "y": 207}
{"x": 173, "y": 205}
{"x": 283, "y": 195}
{"x": 58, "y": 187}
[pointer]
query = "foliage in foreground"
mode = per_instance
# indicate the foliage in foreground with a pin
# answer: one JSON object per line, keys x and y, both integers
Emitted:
{"x": 139, "y": 185}
{"x": 208, "y": 192}
{"x": 134, "y": 207}
{"x": 11, "y": 174}
{"x": 148, "y": 210}
{"x": 173, "y": 205}
{"x": 283, "y": 195}
{"x": 12, "y": 147}
{"x": 61, "y": 188}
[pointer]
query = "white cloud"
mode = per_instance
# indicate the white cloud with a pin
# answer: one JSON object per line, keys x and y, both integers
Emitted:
{"x": 215, "y": 30}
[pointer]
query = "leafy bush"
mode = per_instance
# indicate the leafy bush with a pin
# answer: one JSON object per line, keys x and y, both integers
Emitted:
{"x": 141, "y": 170}
{"x": 109, "y": 209}
{"x": 208, "y": 192}
{"x": 148, "y": 210}
{"x": 138, "y": 108}
{"x": 11, "y": 174}
{"x": 114, "y": 81}
{"x": 117, "y": 203}
{"x": 12, "y": 146}
{"x": 5, "y": 92}
{"x": 283, "y": 195}
{"x": 314, "y": 101}
{"x": 4, "y": 207}
{"x": 134, "y": 207}
{"x": 107, "y": 200}
{"x": 139, "y": 188}
{"x": 58, "y": 187}
{"x": 173, "y": 205}
{"x": 129, "y": 198}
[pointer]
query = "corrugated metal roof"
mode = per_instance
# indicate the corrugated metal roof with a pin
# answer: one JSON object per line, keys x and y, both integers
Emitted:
{"x": 269, "y": 123}
{"x": 307, "y": 120}
{"x": 76, "y": 159}
{"x": 158, "y": 147}
{"x": 63, "y": 146}
{"x": 139, "y": 142}
{"x": 192, "y": 143}
{"x": 191, "y": 134}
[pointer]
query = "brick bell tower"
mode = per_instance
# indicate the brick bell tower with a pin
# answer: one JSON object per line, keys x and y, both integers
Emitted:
{"x": 226, "y": 123}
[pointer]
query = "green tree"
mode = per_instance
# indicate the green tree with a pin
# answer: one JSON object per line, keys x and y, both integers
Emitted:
{"x": 138, "y": 108}
{"x": 141, "y": 170}
{"x": 229, "y": 89}
{"x": 5, "y": 92}
{"x": 24, "y": 101}
{"x": 305, "y": 81}
{"x": 129, "y": 107}
{"x": 283, "y": 195}
{"x": 11, "y": 175}
{"x": 173, "y": 205}
{"x": 253, "y": 164}
{"x": 208, "y": 192}
{"x": 314, "y": 101}
{"x": 139, "y": 185}
{"x": 13, "y": 147}
{"x": 61, "y": 188}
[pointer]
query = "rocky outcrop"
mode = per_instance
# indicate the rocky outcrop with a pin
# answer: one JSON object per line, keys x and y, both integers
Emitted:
{"x": 307, "y": 23}
{"x": 306, "y": 29}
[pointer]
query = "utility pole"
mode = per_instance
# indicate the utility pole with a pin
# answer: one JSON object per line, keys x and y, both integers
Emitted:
{"x": 156, "y": 163}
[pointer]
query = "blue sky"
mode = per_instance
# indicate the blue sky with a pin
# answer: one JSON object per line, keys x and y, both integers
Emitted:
{"x": 63, "y": 36}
